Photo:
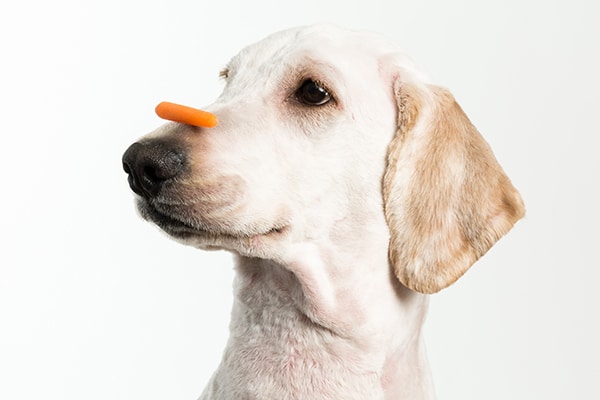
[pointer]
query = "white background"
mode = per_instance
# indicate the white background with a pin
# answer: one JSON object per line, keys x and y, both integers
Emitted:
{"x": 97, "y": 304}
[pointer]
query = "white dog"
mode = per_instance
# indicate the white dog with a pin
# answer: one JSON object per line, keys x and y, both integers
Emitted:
{"x": 348, "y": 187}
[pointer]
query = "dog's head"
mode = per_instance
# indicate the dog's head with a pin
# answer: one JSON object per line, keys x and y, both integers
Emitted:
{"x": 329, "y": 136}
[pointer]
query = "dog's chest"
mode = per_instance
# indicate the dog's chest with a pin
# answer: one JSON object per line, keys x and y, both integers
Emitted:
{"x": 254, "y": 370}
{"x": 276, "y": 351}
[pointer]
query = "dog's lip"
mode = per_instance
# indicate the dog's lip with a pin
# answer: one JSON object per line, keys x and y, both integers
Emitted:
{"x": 179, "y": 227}
{"x": 166, "y": 221}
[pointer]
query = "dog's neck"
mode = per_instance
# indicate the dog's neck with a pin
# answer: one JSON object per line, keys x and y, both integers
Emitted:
{"x": 313, "y": 328}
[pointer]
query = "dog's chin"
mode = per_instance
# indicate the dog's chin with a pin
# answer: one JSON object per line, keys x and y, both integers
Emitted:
{"x": 189, "y": 231}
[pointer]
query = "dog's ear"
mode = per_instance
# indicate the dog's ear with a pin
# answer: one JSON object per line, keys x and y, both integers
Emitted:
{"x": 447, "y": 200}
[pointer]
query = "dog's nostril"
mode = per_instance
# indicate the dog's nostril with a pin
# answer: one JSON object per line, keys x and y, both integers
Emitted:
{"x": 149, "y": 173}
{"x": 151, "y": 163}
{"x": 150, "y": 179}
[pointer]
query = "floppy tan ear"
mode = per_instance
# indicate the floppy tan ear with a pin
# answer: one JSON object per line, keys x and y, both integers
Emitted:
{"x": 447, "y": 200}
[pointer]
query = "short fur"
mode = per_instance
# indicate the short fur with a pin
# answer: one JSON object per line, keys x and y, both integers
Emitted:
{"x": 341, "y": 216}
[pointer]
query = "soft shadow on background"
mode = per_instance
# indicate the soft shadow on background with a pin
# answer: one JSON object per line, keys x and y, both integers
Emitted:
{"x": 97, "y": 304}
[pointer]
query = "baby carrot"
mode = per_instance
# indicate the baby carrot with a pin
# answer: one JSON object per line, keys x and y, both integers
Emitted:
{"x": 186, "y": 115}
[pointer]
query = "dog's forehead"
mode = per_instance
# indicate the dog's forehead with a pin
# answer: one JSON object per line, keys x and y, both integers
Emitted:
{"x": 324, "y": 43}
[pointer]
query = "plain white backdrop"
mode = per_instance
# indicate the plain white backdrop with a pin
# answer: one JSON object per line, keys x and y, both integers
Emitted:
{"x": 97, "y": 304}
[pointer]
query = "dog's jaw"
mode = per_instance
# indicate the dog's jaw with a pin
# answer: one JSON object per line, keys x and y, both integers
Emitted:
{"x": 253, "y": 241}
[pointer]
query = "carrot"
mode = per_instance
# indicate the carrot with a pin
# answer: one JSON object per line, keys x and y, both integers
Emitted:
{"x": 187, "y": 115}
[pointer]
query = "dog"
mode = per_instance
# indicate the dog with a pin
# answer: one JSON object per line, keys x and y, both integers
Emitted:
{"x": 349, "y": 187}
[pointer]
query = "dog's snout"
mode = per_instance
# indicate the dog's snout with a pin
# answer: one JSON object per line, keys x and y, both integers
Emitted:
{"x": 150, "y": 164}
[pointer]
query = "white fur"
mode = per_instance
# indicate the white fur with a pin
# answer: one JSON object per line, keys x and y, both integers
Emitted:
{"x": 318, "y": 313}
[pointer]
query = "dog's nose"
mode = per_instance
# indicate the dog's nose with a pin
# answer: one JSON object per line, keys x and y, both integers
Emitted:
{"x": 150, "y": 164}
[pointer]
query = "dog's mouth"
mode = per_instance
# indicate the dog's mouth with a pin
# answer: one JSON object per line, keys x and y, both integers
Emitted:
{"x": 177, "y": 227}
{"x": 180, "y": 226}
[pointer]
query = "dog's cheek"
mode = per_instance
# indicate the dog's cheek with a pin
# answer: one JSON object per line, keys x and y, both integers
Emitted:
{"x": 216, "y": 198}
{"x": 242, "y": 196}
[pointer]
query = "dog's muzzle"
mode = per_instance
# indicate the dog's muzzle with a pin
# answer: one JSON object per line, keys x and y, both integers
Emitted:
{"x": 152, "y": 163}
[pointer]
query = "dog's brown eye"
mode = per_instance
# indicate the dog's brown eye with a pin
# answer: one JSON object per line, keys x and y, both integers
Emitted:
{"x": 312, "y": 94}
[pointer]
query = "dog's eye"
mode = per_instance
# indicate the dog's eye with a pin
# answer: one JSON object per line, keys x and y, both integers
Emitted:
{"x": 312, "y": 94}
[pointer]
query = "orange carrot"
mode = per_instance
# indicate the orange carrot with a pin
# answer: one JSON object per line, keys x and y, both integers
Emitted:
{"x": 187, "y": 115}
